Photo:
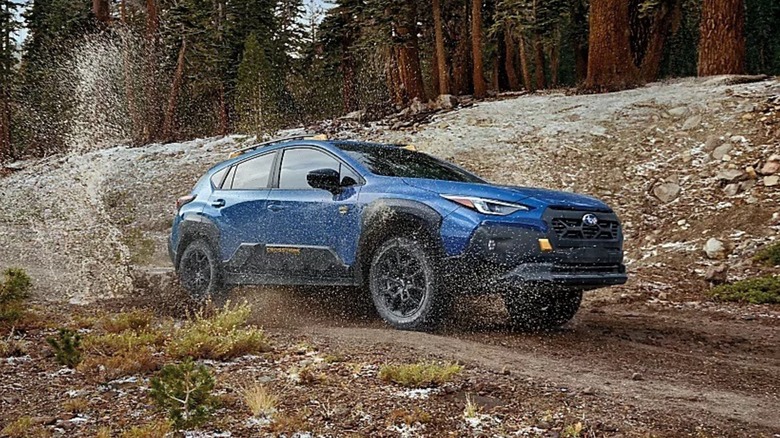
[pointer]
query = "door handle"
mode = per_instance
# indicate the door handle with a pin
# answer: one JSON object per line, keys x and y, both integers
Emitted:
{"x": 275, "y": 207}
{"x": 219, "y": 203}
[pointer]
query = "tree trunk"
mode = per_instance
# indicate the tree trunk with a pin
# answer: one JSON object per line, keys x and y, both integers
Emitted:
{"x": 441, "y": 55}
{"x": 173, "y": 96}
{"x": 152, "y": 20}
{"x": 722, "y": 37}
{"x": 541, "y": 82}
{"x": 5, "y": 126}
{"x": 102, "y": 12}
{"x": 610, "y": 63}
{"x": 393, "y": 77}
{"x": 524, "y": 65}
{"x": 224, "y": 120}
{"x": 480, "y": 90}
{"x": 409, "y": 61}
{"x": 462, "y": 61}
{"x": 555, "y": 60}
{"x": 509, "y": 60}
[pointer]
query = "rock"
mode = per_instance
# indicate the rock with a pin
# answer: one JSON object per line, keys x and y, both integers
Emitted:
{"x": 745, "y": 186}
{"x": 354, "y": 115}
{"x": 446, "y": 101}
{"x": 712, "y": 142}
{"x": 771, "y": 181}
{"x": 772, "y": 165}
{"x": 738, "y": 139}
{"x": 730, "y": 175}
{"x": 721, "y": 151}
{"x": 637, "y": 376}
{"x": 691, "y": 123}
{"x": 715, "y": 249}
{"x": 667, "y": 192}
{"x": 417, "y": 106}
{"x": 731, "y": 189}
{"x": 751, "y": 172}
{"x": 717, "y": 274}
{"x": 680, "y": 111}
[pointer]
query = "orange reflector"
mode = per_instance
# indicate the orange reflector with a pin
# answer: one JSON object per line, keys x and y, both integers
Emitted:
{"x": 544, "y": 245}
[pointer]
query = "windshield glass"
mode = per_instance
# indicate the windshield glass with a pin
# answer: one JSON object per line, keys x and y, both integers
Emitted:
{"x": 403, "y": 163}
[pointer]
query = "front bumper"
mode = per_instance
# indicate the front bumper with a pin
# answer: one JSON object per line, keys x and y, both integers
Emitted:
{"x": 506, "y": 256}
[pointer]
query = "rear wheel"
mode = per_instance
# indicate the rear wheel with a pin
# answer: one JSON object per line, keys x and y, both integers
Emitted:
{"x": 543, "y": 307}
{"x": 200, "y": 272}
{"x": 404, "y": 285}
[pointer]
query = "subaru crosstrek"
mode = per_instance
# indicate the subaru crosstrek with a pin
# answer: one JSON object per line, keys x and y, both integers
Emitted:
{"x": 410, "y": 228}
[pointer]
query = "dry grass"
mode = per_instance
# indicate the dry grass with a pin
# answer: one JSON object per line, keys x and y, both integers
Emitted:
{"x": 76, "y": 405}
{"x": 410, "y": 418}
{"x": 260, "y": 401}
{"x": 113, "y": 343}
{"x": 420, "y": 374}
{"x": 471, "y": 409}
{"x": 103, "y": 432}
{"x": 123, "y": 363}
{"x": 288, "y": 424}
{"x": 12, "y": 347}
{"x": 157, "y": 429}
{"x": 136, "y": 320}
{"x": 24, "y": 427}
{"x": 221, "y": 336}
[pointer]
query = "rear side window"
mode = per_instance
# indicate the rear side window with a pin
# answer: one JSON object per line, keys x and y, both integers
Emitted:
{"x": 253, "y": 174}
{"x": 216, "y": 179}
{"x": 297, "y": 163}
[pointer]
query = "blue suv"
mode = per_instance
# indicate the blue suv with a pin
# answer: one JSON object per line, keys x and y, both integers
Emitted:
{"x": 412, "y": 229}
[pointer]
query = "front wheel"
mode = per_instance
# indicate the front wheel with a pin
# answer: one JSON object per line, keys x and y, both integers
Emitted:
{"x": 542, "y": 308}
{"x": 200, "y": 272}
{"x": 404, "y": 285}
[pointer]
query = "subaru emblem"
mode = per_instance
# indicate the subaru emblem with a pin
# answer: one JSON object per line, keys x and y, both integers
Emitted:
{"x": 590, "y": 220}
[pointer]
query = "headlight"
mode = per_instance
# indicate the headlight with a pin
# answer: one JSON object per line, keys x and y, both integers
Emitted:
{"x": 487, "y": 206}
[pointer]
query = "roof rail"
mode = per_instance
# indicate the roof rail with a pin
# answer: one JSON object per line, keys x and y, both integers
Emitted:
{"x": 246, "y": 149}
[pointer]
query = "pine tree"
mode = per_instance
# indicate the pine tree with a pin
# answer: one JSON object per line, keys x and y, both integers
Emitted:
{"x": 9, "y": 24}
{"x": 256, "y": 102}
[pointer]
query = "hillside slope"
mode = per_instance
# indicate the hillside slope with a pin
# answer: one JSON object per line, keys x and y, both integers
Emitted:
{"x": 79, "y": 222}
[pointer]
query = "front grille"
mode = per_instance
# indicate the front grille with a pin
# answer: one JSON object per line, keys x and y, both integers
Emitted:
{"x": 588, "y": 269}
{"x": 571, "y": 228}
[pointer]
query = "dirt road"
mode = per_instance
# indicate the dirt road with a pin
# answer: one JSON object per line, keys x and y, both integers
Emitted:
{"x": 674, "y": 367}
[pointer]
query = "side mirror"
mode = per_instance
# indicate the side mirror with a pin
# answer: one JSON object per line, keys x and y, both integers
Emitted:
{"x": 325, "y": 179}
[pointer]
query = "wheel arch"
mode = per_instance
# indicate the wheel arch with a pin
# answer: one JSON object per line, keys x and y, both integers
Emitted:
{"x": 387, "y": 218}
{"x": 192, "y": 228}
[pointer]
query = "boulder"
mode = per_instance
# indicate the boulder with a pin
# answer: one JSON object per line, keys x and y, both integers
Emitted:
{"x": 719, "y": 152}
{"x": 446, "y": 102}
{"x": 771, "y": 181}
{"x": 691, "y": 123}
{"x": 680, "y": 111}
{"x": 712, "y": 142}
{"x": 717, "y": 274}
{"x": 772, "y": 165}
{"x": 731, "y": 189}
{"x": 715, "y": 249}
{"x": 667, "y": 192}
{"x": 730, "y": 175}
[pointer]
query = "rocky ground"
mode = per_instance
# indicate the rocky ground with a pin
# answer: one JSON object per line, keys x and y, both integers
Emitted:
{"x": 691, "y": 167}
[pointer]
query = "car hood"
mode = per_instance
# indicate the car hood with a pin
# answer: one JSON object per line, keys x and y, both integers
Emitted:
{"x": 529, "y": 195}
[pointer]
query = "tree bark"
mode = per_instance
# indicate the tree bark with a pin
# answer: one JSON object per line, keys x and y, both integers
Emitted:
{"x": 722, "y": 37}
{"x": 462, "y": 61}
{"x": 480, "y": 89}
{"x": 441, "y": 55}
{"x": 102, "y": 12}
{"x": 541, "y": 82}
{"x": 509, "y": 60}
{"x": 173, "y": 96}
{"x": 524, "y": 65}
{"x": 409, "y": 60}
{"x": 393, "y": 78}
{"x": 555, "y": 60}
{"x": 5, "y": 126}
{"x": 610, "y": 65}
{"x": 152, "y": 20}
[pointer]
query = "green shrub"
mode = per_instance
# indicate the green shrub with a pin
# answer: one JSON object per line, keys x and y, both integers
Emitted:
{"x": 113, "y": 343}
{"x": 184, "y": 392}
{"x": 762, "y": 290}
{"x": 419, "y": 375}
{"x": 219, "y": 337}
{"x": 769, "y": 255}
{"x": 14, "y": 289}
{"x": 67, "y": 348}
{"x": 136, "y": 320}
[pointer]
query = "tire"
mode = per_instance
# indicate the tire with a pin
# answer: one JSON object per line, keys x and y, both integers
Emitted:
{"x": 542, "y": 308}
{"x": 200, "y": 272}
{"x": 405, "y": 284}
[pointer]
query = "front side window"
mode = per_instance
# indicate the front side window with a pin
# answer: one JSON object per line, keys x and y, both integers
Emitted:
{"x": 297, "y": 163}
{"x": 252, "y": 174}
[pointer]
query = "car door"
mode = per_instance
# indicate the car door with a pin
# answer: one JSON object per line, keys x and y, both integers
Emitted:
{"x": 238, "y": 207}
{"x": 312, "y": 232}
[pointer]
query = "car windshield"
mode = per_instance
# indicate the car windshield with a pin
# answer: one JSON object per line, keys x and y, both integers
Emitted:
{"x": 399, "y": 162}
